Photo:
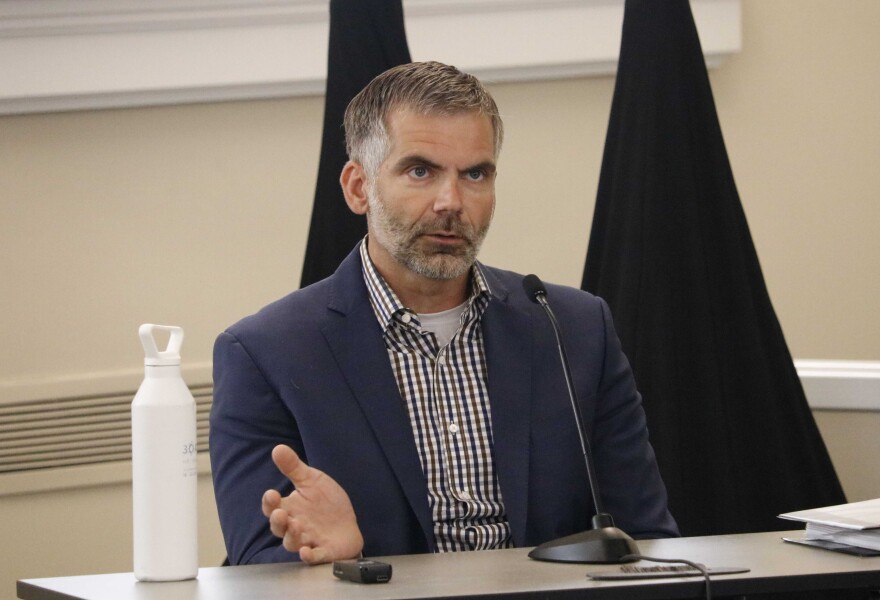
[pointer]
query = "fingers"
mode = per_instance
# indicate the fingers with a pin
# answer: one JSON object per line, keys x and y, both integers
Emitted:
{"x": 289, "y": 463}
{"x": 314, "y": 556}
{"x": 293, "y": 539}
{"x": 297, "y": 539}
{"x": 286, "y": 527}
{"x": 279, "y": 522}
{"x": 271, "y": 501}
{"x": 292, "y": 532}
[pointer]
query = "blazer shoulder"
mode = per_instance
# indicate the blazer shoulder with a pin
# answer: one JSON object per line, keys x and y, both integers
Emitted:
{"x": 508, "y": 284}
{"x": 298, "y": 309}
{"x": 343, "y": 291}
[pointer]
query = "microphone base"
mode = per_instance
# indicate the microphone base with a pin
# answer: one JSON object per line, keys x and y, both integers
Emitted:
{"x": 605, "y": 545}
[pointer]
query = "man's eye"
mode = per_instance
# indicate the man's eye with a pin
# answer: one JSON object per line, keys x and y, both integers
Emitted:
{"x": 476, "y": 175}
{"x": 419, "y": 172}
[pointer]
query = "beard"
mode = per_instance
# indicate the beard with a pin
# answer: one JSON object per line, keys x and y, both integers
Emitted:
{"x": 405, "y": 242}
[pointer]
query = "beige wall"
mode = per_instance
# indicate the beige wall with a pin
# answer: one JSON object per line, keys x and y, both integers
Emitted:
{"x": 800, "y": 117}
{"x": 198, "y": 215}
{"x": 852, "y": 440}
{"x": 84, "y": 531}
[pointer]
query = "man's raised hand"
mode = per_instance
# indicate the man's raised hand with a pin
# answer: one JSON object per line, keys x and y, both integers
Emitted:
{"x": 317, "y": 520}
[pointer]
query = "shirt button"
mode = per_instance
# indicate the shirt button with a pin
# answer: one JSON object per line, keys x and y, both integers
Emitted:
{"x": 406, "y": 317}
{"x": 453, "y": 428}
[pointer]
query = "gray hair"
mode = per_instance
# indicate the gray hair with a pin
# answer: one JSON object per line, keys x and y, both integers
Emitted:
{"x": 427, "y": 88}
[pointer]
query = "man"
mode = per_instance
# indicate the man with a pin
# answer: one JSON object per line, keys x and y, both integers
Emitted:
{"x": 414, "y": 401}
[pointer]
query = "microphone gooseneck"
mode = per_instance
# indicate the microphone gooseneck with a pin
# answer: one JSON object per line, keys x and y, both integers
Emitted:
{"x": 536, "y": 291}
{"x": 604, "y": 543}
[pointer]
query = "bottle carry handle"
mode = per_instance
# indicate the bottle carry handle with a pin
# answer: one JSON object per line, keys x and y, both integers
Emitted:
{"x": 152, "y": 355}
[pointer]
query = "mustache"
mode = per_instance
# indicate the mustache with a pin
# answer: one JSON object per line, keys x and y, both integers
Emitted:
{"x": 447, "y": 224}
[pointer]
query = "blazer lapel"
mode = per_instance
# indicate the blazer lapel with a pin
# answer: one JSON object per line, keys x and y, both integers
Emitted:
{"x": 355, "y": 338}
{"x": 506, "y": 331}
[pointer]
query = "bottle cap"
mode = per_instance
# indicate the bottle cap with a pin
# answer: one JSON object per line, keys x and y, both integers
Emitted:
{"x": 153, "y": 357}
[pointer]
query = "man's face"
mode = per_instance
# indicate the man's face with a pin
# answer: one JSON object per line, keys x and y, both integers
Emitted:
{"x": 432, "y": 201}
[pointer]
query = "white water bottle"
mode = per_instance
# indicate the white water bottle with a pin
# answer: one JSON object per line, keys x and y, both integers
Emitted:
{"x": 164, "y": 472}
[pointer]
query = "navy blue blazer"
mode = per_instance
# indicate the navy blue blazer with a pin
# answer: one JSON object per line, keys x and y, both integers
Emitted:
{"x": 311, "y": 371}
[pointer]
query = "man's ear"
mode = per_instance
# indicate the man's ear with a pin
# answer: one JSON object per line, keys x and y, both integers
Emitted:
{"x": 354, "y": 186}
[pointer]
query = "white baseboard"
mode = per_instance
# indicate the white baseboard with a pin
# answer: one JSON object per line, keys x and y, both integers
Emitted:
{"x": 828, "y": 384}
{"x": 840, "y": 384}
{"x": 96, "y": 383}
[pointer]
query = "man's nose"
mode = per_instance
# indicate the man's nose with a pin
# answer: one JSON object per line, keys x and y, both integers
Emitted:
{"x": 449, "y": 196}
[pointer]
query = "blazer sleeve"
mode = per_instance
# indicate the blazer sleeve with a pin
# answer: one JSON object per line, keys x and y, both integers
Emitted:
{"x": 248, "y": 419}
{"x": 630, "y": 482}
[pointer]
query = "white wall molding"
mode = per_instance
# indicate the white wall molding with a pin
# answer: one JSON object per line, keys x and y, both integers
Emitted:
{"x": 37, "y": 18}
{"x": 840, "y": 384}
{"x": 91, "y": 384}
{"x": 87, "y": 54}
{"x": 828, "y": 384}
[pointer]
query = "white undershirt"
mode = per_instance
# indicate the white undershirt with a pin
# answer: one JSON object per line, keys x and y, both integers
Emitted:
{"x": 443, "y": 324}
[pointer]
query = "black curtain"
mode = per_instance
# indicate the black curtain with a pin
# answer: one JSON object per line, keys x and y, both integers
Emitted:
{"x": 367, "y": 37}
{"x": 671, "y": 252}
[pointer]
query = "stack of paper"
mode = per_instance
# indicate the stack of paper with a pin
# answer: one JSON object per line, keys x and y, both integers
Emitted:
{"x": 855, "y": 524}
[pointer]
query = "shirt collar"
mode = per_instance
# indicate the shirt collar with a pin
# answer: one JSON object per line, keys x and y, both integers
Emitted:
{"x": 389, "y": 308}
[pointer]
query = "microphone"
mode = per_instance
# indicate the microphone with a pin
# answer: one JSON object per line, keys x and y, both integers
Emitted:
{"x": 604, "y": 543}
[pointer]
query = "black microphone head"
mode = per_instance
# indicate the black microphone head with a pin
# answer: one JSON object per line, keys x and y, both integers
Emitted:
{"x": 534, "y": 287}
